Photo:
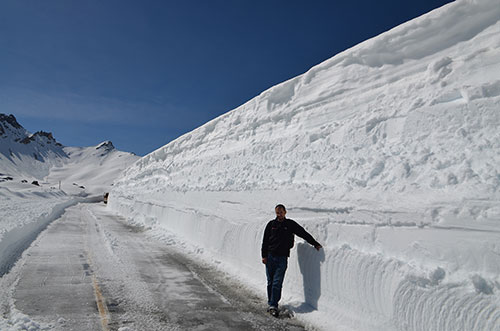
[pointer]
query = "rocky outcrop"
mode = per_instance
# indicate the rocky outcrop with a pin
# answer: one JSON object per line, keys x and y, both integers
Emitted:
{"x": 49, "y": 138}
{"x": 11, "y": 120}
{"x": 105, "y": 147}
{"x": 22, "y": 151}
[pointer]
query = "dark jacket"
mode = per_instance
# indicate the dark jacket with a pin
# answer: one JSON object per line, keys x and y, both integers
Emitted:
{"x": 279, "y": 237}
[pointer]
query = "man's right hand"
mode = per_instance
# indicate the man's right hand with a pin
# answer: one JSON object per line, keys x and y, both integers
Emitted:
{"x": 264, "y": 260}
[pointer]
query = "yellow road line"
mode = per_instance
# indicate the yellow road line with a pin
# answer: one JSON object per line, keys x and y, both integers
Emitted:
{"x": 101, "y": 305}
{"x": 99, "y": 298}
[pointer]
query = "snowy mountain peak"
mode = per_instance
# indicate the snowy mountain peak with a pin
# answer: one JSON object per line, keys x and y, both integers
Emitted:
{"x": 42, "y": 138}
{"x": 40, "y": 156}
{"x": 105, "y": 147}
{"x": 9, "y": 127}
{"x": 26, "y": 154}
{"x": 8, "y": 119}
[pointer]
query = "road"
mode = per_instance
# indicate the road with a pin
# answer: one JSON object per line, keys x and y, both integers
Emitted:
{"x": 90, "y": 270}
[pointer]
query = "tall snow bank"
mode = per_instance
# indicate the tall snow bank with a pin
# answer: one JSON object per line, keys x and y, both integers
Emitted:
{"x": 388, "y": 153}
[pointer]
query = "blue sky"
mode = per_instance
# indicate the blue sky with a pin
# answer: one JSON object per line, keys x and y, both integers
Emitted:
{"x": 142, "y": 73}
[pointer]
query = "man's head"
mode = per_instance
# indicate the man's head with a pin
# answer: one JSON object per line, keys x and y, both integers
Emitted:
{"x": 280, "y": 212}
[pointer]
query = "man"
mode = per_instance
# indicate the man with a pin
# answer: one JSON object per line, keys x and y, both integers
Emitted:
{"x": 276, "y": 244}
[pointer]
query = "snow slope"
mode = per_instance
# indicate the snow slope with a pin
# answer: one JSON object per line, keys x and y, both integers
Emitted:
{"x": 95, "y": 168}
{"x": 25, "y": 154}
{"x": 388, "y": 153}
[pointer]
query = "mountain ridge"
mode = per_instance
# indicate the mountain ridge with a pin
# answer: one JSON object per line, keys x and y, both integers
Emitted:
{"x": 39, "y": 156}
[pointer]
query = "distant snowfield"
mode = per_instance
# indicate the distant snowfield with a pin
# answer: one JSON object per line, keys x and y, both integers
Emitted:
{"x": 388, "y": 153}
{"x": 83, "y": 173}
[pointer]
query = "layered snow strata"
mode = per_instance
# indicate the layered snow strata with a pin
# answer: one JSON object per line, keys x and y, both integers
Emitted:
{"x": 388, "y": 154}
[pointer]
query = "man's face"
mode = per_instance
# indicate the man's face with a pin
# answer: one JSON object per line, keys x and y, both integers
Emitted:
{"x": 280, "y": 213}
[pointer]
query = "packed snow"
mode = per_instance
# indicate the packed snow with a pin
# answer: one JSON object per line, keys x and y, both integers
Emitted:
{"x": 387, "y": 153}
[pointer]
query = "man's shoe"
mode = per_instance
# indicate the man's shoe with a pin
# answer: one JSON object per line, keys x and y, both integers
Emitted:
{"x": 273, "y": 311}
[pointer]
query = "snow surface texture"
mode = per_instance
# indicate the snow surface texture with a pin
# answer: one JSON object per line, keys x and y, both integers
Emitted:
{"x": 388, "y": 153}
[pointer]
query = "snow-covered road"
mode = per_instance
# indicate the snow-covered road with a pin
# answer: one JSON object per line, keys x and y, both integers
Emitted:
{"x": 91, "y": 271}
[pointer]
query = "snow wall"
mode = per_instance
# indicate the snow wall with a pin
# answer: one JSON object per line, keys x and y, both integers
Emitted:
{"x": 387, "y": 153}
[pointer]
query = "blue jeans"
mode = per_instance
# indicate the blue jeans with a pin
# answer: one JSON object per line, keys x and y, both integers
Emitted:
{"x": 275, "y": 272}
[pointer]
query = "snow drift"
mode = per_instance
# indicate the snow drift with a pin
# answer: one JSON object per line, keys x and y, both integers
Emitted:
{"x": 388, "y": 153}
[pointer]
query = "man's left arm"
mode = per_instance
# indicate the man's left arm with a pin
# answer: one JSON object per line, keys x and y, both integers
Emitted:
{"x": 265, "y": 243}
{"x": 302, "y": 233}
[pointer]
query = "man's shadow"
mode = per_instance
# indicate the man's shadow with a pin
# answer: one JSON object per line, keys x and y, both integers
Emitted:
{"x": 310, "y": 267}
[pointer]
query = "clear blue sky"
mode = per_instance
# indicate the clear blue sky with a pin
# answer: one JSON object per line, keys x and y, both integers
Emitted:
{"x": 142, "y": 73}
